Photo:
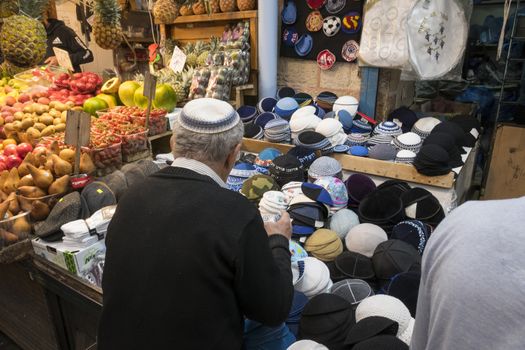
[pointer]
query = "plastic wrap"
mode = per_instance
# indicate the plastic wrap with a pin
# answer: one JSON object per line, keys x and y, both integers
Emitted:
{"x": 219, "y": 85}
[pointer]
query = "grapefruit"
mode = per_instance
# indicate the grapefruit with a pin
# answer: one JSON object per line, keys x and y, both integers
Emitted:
{"x": 139, "y": 98}
{"x": 126, "y": 92}
{"x": 165, "y": 97}
{"x": 110, "y": 99}
{"x": 94, "y": 104}
{"x": 111, "y": 86}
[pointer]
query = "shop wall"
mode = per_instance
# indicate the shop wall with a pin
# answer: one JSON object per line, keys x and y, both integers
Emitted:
{"x": 103, "y": 58}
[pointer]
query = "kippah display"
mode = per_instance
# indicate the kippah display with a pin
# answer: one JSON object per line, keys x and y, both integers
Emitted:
{"x": 208, "y": 116}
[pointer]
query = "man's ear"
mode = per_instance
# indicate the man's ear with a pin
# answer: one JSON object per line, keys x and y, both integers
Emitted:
{"x": 232, "y": 157}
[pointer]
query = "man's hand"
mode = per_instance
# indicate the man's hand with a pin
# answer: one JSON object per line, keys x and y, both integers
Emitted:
{"x": 282, "y": 227}
{"x": 52, "y": 61}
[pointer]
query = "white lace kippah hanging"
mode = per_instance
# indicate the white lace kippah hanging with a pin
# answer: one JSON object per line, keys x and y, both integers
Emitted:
{"x": 437, "y": 34}
{"x": 384, "y": 40}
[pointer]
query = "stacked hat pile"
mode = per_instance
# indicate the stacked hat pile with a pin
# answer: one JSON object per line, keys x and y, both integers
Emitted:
{"x": 263, "y": 118}
{"x": 352, "y": 290}
{"x": 256, "y": 186}
{"x": 292, "y": 189}
{"x": 247, "y": 113}
{"x": 332, "y": 129}
{"x": 76, "y": 233}
{"x": 383, "y": 151}
{"x": 304, "y": 119}
{"x": 405, "y": 156}
{"x": 277, "y": 130}
{"x": 357, "y": 139}
{"x": 253, "y": 131}
{"x": 388, "y": 128}
{"x": 325, "y": 166}
{"x": 327, "y": 319}
{"x": 313, "y": 277}
{"x": 345, "y": 118}
{"x": 272, "y": 204}
{"x": 265, "y": 159}
{"x": 326, "y": 100}
{"x": 287, "y": 168}
{"x": 285, "y": 107}
{"x": 266, "y": 104}
{"x": 337, "y": 190}
{"x": 324, "y": 244}
{"x": 314, "y": 141}
{"x": 358, "y": 187}
{"x": 305, "y": 155}
{"x": 309, "y": 211}
{"x": 240, "y": 173}
{"x": 424, "y": 126}
{"x": 409, "y": 141}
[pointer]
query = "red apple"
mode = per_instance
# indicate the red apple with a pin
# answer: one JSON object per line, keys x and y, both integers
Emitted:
{"x": 3, "y": 158}
{"x": 24, "y": 98}
{"x": 23, "y": 149}
{"x": 13, "y": 161}
{"x": 3, "y": 166}
{"x": 10, "y": 150}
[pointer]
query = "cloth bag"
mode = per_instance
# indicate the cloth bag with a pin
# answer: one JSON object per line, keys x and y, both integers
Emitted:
{"x": 384, "y": 39}
{"x": 437, "y": 34}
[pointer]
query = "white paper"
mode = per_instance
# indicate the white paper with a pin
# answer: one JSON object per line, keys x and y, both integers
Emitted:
{"x": 178, "y": 60}
{"x": 63, "y": 58}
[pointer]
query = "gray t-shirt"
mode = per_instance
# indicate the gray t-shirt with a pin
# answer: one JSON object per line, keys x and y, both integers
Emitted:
{"x": 472, "y": 293}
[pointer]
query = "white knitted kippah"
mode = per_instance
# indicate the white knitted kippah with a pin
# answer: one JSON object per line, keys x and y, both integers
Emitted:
{"x": 208, "y": 116}
{"x": 388, "y": 307}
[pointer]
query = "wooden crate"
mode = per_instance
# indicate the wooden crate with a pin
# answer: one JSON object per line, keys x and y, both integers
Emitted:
{"x": 506, "y": 176}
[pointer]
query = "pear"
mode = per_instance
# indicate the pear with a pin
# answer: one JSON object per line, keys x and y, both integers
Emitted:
{"x": 39, "y": 210}
{"x": 3, "y": 177}
{"x": 22, "y": 168}
{"x": 4, "y": 206}
{"x": 26, "y": 181}
{"x": 25, "y": 203}
{"x": 60, "y": 166}
{"x": 8, "y": 237}
{"x": 41, "y": 177}
{"x": 54, "y": 148}
{"x": 11, "y": 183}
{"x": 21, "y": 227}
{"x": 48, "y": 165}
{"x": 14, "y": 206}
{"x": 60, "y": 185}
{"x": 86, "y": 164}
{"x": 3, "y": 196}
{"x": 31, "y": 192}
{"x": 68, "y": 155}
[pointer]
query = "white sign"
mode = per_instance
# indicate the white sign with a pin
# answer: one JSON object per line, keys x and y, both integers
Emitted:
{"x": 178, "y": 60}
{"x": 63, "y": 58}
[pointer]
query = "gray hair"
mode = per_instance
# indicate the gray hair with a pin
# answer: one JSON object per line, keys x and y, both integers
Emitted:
{"x": 206, "y": 148}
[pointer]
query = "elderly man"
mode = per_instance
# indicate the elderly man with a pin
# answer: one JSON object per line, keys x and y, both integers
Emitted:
{"x": 187, "y": 259}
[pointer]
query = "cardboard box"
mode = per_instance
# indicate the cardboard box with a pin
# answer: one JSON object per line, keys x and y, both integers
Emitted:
{"x": 75, "y": 261}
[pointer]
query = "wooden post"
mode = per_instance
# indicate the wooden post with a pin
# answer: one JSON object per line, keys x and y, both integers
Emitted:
{"x": 78, "y": 129}
{"x": 150, "y": 84}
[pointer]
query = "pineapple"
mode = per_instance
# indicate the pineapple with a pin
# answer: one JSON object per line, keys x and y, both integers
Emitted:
{"x": 191, "y": 56}
{"x": 106, "y": 28}
{"x": 246, "y": 5}
{"x": 182, "y": 87}
{"x": 9, "y": 70}
{"x": 212, "y": 6}
{"x": 23, "y": 38}
{"x": 209, "y": 49}
{"x": 227, "y": 5}
{"x": 166, "y": 11}
{"x": 198, "y": 7}
{"x": 8, "y": 8}
{"x": 186, "y": 8}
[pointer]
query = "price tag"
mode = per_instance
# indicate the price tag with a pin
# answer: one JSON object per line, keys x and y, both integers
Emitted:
{"x": 150, "y": 84}
{"x": 178, "y": 60}
{"x": 63, "y": 58}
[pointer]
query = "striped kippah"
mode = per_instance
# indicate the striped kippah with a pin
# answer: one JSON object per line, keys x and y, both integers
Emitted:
{"x": 208, "y": 116}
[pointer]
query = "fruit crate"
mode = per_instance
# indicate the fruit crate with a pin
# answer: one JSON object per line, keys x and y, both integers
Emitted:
{"x": 157, "y": 125}
{"x": 43, "y": 76}
{"x": 135, "y": 146}
{"x": 14, "y": 229}
{"x": 107, "y": 159}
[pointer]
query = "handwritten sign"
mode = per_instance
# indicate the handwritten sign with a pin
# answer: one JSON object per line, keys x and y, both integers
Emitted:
{"x": 178, "y": 60}
{"x": 63, "y": 58}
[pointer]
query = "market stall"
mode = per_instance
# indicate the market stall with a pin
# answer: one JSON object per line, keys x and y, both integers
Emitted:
{"x": 72, "y": 143}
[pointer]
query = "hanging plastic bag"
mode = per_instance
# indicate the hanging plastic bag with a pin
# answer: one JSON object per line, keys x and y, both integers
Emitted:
{"x": 384, "y": 40}
{"x": 437, "y": 34}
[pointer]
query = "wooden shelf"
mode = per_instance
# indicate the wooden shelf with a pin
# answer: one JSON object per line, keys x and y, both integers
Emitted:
{"x": 160, "y": 136}
{"x": 363, "y": 165}
{"x": 228, "y": 16}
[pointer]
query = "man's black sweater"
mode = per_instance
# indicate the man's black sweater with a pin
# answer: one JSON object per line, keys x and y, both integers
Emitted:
{"x": 186, "y": 261}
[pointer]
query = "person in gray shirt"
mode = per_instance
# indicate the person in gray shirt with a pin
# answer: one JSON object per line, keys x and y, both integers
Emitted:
{"x": 472, "y": 292}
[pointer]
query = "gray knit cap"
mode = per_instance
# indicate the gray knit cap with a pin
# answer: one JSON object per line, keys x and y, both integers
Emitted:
{"x": 96, "y": 196}
{"x": 117, "y": 182}
{"x": 208, "y": 116}
{"x": 325, "y": 166}
{"x": 383, "y": 152}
